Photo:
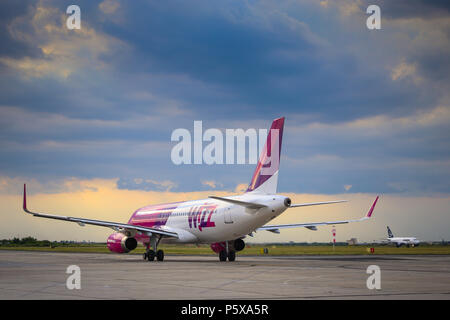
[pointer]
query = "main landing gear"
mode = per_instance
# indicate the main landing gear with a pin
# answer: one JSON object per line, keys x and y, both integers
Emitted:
{"x": 227, "y": 253}
{"x": 150, "y": 254}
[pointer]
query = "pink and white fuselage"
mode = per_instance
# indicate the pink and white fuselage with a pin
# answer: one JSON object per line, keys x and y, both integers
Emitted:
{"x": 209, "y": 220}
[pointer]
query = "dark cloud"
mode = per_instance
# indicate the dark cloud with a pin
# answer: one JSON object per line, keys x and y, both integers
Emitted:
{"x": 246, "y": 57}
{"x": 423, "y": 9}
{"x": 11, "y": 47}
{"x": 262, "y": 60}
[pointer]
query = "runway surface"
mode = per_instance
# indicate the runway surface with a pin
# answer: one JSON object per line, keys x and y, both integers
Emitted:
{"x": 42, "y": 275}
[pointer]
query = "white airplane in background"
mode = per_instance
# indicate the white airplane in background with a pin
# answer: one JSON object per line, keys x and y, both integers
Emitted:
{"x": 220, "y": 221}
{"x": 399, "y": 241}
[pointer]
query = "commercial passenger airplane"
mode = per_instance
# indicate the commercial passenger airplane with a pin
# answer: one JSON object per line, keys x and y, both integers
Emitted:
{"x": 220, "y": 221}
{"x": 399, "y": 241}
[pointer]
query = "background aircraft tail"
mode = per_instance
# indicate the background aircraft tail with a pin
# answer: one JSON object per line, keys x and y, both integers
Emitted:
{"x": 265, "y": 177}
{"x": 390, "y": 235}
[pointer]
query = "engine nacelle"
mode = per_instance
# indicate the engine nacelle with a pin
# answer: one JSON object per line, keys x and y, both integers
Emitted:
{"x": 218, "y": 246}
{"x": 120, "y": 243}
{"x": 237, "y": 245}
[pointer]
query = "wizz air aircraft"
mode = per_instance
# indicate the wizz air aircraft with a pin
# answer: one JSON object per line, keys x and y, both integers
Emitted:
{"x": 399, "y": 241}
{"x": 222, "y": 222}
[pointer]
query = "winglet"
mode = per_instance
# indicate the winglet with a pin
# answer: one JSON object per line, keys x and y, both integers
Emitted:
{"x": 25, "y": 197}
{"x": 369, "y": 214}
{"x": 25, "y": 200}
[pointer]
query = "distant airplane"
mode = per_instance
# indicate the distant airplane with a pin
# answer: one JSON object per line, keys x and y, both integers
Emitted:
{"x": 220, "y": 221}
{"x": 399, "y": 241}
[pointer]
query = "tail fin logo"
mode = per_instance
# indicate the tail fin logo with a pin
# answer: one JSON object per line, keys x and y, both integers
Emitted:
{"x": 270, "y": 164}
{"x": 390, "y": 234}
{"x": 269, "y": 160}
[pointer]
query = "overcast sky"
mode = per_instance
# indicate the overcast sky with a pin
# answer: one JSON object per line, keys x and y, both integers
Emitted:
{"x": 367, "y": 111}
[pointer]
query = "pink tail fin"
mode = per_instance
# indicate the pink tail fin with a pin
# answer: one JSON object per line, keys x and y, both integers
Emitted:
{"x": 265, "y": 177}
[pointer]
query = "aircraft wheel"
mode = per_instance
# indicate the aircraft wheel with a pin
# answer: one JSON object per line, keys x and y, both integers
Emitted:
{"x": 231, "y": 255}
{"x": 223, "y": 255}
{"x": 160, "y": 255}
{"x": 151, "y": 255}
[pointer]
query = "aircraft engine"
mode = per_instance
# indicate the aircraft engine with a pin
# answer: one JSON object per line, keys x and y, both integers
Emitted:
{"x": 218, "y": 246}
{"x": 239, "y": 244}
{"x": 120, "y": 243}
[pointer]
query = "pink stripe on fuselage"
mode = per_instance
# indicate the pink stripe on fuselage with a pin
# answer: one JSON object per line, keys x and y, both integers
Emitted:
{"x": 157, "y": 218}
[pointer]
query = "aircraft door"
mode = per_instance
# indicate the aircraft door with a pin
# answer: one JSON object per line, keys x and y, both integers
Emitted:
{"x": 227, "y": 215}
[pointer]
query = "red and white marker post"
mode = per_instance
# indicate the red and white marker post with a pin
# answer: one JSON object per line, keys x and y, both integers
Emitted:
{"x": 334, "y": 236}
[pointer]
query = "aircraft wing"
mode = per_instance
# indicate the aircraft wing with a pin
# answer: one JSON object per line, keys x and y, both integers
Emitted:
{"x": 314, "y": 225}
{"x": 114, "y": 225}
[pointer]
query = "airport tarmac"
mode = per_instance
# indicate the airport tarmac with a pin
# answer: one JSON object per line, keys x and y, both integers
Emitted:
{"x": 42, "y": 275}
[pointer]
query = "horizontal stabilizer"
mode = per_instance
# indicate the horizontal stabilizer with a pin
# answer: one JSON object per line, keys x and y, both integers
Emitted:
{"x": 250, "y": 205}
